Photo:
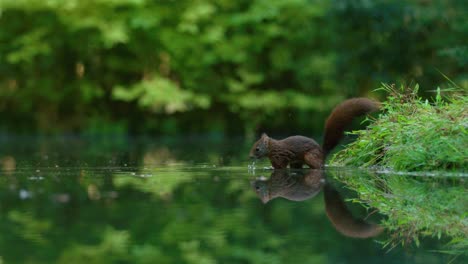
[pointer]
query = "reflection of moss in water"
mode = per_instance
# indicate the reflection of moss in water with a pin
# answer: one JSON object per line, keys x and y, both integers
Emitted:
{"x": 415, "y": 207}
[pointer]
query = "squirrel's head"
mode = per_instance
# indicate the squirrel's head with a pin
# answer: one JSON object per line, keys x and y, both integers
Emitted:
{"x": 260, "y": 148}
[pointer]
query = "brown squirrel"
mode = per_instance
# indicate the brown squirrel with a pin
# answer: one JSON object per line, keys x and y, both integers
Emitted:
{"x": 299, "y": 150}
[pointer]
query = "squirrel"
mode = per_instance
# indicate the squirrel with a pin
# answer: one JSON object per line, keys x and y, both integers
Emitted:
{"x": 300, "y": 185}
{"x": 296, "y": 151}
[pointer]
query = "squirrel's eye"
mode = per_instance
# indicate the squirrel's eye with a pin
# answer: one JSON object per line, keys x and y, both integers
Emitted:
{"x": 257, "y": 149}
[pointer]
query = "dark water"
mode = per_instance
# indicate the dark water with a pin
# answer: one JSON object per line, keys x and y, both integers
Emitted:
{"x": 121, "y": 200}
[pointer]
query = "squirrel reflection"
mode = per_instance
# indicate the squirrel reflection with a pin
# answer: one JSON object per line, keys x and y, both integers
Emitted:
{"x": 300, "y": 185}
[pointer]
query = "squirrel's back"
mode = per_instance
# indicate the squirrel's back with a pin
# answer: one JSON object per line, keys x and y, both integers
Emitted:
{"x": 342, "y": 116}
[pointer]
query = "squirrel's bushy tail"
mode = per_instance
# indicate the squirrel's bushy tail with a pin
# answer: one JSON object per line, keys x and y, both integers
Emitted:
{"x": 342, "y": 116}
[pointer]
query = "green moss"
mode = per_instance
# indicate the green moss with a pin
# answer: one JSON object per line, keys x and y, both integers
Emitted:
{"x": 412, "y": 134}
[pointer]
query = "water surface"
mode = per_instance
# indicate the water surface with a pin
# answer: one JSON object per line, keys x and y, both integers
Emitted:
{"x": 196, "y": 200}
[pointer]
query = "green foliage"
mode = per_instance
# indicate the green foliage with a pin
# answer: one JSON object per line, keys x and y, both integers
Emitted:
{"x": 412, "y": 134}
{"x": 160, "y": 95}
{"x": 170, "y": 66}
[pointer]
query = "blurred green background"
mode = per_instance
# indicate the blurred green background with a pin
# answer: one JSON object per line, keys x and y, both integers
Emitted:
{"x": 217, "y": 67}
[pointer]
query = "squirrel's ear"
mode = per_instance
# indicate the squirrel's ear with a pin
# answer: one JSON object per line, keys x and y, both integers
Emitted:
{"x": 264, "y": 135}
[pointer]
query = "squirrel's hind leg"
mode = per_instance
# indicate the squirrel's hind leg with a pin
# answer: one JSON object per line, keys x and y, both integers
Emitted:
{"x": 314, "y": 159}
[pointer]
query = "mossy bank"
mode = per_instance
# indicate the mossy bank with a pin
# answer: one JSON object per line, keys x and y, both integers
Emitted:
{"x": 412, "y": 134}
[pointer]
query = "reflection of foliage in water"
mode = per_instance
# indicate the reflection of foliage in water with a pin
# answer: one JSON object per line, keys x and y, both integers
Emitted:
{"x": 175, "y": 214}
{"x": 415, "y": 206}
{"x": 161, "y": 184}
{"x": 112, "y": 248}
{"x": 29, "y": 228}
